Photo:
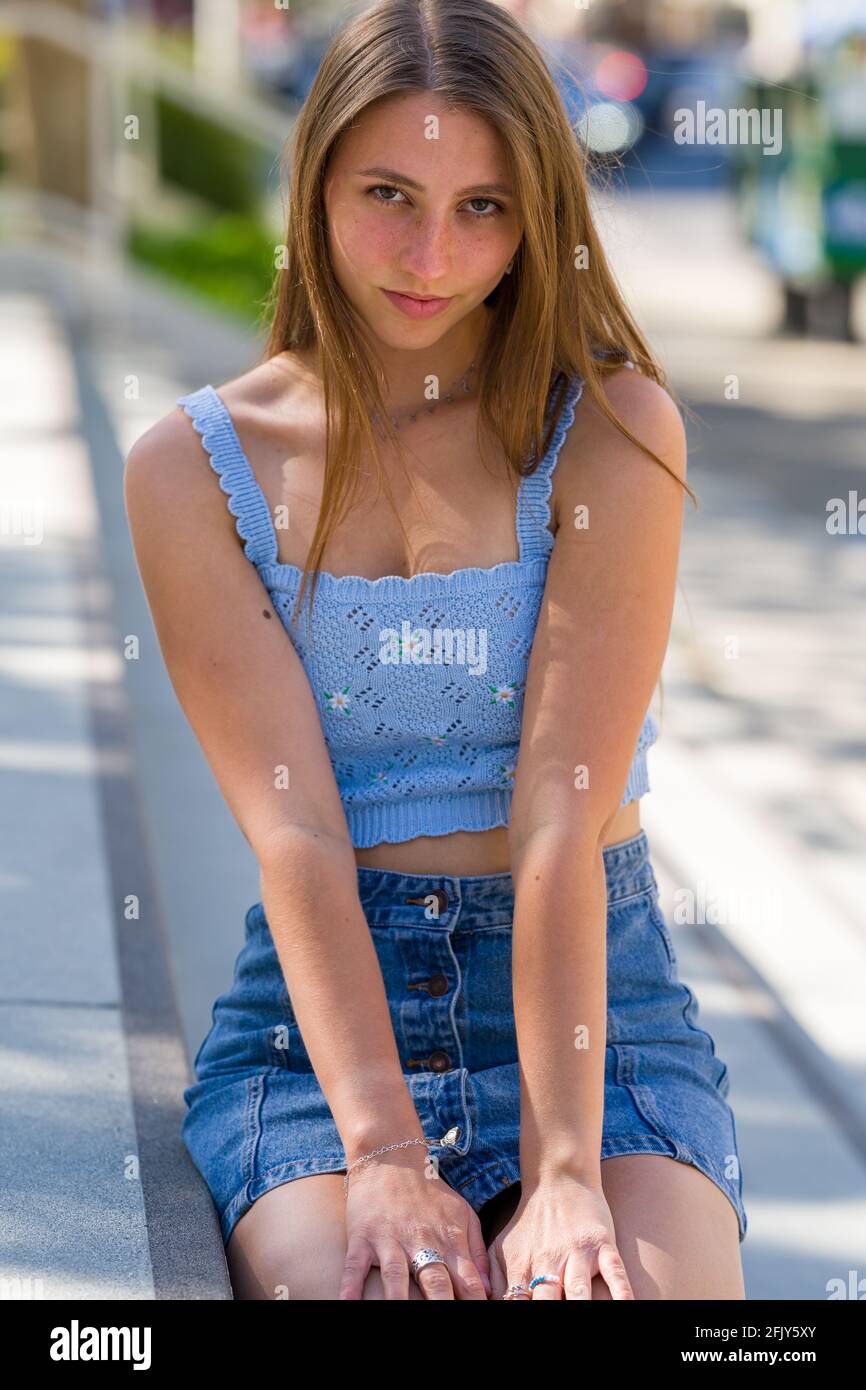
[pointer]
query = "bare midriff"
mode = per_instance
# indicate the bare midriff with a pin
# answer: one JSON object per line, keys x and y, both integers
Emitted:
{"x": 466, "y": 852}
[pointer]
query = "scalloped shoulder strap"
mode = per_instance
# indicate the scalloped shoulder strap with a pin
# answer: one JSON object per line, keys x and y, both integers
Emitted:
{"x": 246, "y": 501}
{"x": 535, "y": 539}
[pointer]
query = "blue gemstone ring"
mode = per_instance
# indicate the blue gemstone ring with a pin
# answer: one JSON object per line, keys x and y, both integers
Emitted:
{"x": 545, "y": 1279}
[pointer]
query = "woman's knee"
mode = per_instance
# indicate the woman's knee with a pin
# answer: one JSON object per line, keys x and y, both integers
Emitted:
{"x": 291, "y": 1245}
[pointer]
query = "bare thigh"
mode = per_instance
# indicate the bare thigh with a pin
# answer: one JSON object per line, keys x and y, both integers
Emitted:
{"x": 676, "y": 1231}
{"x": 291, "y": 1244}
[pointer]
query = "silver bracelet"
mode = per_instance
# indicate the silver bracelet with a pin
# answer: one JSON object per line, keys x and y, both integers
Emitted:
{"x": 447, "y": 1139}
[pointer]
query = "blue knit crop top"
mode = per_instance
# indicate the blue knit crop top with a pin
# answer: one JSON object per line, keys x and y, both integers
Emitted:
{"x": 418, "y": 682}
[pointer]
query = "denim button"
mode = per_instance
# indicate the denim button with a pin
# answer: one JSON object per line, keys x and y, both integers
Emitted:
{"x": 437, "y": 985}
{"x": 438, "y": 893}
{"x": 439, "y": 1061}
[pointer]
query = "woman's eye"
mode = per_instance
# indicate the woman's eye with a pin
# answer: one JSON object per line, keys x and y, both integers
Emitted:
{"x": 497, "y": 207}
{"x": 376, "y": 189}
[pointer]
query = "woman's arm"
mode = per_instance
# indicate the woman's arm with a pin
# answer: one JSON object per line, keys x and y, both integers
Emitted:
{"x": 597, "y": 654}
{"x": 246, "y": 695}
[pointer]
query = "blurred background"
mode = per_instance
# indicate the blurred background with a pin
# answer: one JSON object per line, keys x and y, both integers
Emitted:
{"x": 140, "y": 209}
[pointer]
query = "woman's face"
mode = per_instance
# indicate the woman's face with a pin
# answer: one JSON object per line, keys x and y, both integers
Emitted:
{"x": 411, "y": 207}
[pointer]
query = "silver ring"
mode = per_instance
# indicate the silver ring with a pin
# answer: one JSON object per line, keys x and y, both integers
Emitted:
{"x": 516, "y": 1291}
{"x": 425, "y": 1257}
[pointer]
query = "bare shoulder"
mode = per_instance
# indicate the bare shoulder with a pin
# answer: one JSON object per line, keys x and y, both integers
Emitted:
{"x": 168, "y": 469}
{"x": 166, "y": 465}
{"x": 596, "y": 452}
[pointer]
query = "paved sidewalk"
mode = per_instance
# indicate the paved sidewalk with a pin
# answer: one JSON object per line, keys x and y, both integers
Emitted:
{"x": 105, "y": 1202}
{"x": 758, "y": 805}
{"x": 100, "y": 1198}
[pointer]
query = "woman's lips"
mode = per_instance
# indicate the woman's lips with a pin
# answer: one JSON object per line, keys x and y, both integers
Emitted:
{"x": 416, "y": 308}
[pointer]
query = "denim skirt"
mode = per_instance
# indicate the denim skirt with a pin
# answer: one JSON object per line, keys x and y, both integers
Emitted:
{"x": 256, "y": 1116}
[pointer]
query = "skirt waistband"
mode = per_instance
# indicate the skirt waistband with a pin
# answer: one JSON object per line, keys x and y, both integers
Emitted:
{"x": 391, "y": 898}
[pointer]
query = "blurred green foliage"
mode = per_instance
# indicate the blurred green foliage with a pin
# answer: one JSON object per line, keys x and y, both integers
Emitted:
{"x": 211, "y": 160}
{"x": 227, "y": 258}
{"x": 225, "y": 255}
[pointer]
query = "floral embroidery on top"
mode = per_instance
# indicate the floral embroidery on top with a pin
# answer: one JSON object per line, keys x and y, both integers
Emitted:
{"x": 413, "y": 644}
{"x": 338, "y": 700}
{"x": 502, "y": 694}
{"x": 382, "y": 776}
{"x": 508, "y": 771}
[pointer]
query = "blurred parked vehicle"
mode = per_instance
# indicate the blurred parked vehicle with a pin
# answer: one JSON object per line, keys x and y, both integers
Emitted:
{"x": 624, "y": 103}
{"x": 805, "y": 208}
{"x": 678, "y": 79}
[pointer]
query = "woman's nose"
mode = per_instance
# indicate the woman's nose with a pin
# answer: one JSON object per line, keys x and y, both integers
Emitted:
{"x": 427, "y": 252}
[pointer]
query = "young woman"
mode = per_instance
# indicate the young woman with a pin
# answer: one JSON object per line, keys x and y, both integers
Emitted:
{"x": 456, "y": 1059}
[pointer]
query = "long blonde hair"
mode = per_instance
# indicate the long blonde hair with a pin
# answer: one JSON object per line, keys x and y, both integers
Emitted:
{"x": 547, "y": 317}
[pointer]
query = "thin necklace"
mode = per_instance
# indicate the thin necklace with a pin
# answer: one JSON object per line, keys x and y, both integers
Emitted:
{"x": 461, "y": 384}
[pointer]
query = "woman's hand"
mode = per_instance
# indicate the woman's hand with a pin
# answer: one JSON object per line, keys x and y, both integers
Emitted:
{"x": 397, "y": 1206}
{"x": 564, "y": 1229}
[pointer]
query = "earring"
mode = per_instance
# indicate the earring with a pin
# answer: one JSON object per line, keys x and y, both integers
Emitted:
{"x": 508, "y": 267}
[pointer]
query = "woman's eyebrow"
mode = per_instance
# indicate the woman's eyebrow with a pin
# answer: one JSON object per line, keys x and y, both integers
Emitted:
{"x": 395, "y": 177}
